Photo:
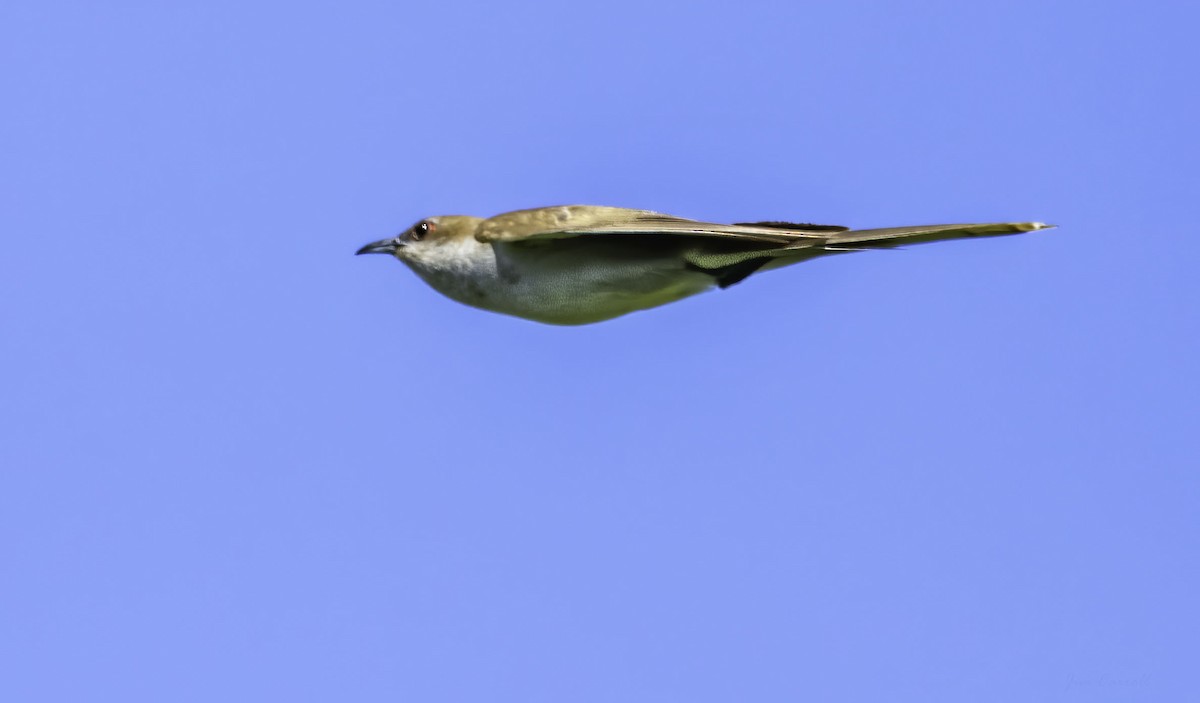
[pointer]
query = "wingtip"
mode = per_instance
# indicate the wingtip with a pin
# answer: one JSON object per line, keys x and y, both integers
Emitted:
{"x": 1035, "y": 226}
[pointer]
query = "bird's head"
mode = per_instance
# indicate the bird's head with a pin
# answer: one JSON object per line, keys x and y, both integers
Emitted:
{"x": 429, "y": 240}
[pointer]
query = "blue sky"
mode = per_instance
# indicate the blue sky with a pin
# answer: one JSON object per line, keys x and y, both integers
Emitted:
{"x": 242, "y": 464}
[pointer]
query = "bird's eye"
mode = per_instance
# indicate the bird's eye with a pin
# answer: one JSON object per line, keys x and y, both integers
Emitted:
{"x": 421, "y": 229}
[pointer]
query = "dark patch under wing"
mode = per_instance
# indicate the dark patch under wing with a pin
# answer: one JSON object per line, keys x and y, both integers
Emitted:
{"x": 734, "y": 273}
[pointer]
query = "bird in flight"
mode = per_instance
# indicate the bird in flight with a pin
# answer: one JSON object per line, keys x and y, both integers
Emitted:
{"x": 578, "y": 264}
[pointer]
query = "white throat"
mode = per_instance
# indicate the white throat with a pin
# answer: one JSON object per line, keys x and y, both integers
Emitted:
{"x": 463, "y": 269}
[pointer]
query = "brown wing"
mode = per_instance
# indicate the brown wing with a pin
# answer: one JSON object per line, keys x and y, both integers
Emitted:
{"x": 589, "y": 220}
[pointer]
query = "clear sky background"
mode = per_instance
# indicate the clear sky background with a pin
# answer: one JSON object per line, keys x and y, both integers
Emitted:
{"x": 241, "y": 464}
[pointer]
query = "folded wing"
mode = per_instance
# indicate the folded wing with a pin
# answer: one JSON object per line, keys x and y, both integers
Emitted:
{"x": 729, "y": 253}
{"x": 586, "y": 220}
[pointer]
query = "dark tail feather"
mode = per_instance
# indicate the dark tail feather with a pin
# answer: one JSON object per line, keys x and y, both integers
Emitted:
{"x": 793, "y": 226}
{"x": 900, "y": 236}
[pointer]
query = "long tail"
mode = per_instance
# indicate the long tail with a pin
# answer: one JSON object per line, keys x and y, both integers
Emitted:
{"x": 899, "y": 236}
{"x": 822, "y": 240}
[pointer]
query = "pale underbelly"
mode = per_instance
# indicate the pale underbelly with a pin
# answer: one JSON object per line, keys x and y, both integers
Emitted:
{"x": 569, "y": 303}
{"x": 564, "y": 287}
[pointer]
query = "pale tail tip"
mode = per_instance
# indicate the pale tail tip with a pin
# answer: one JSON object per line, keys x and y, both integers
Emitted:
{"x": 1035, "y": 226}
